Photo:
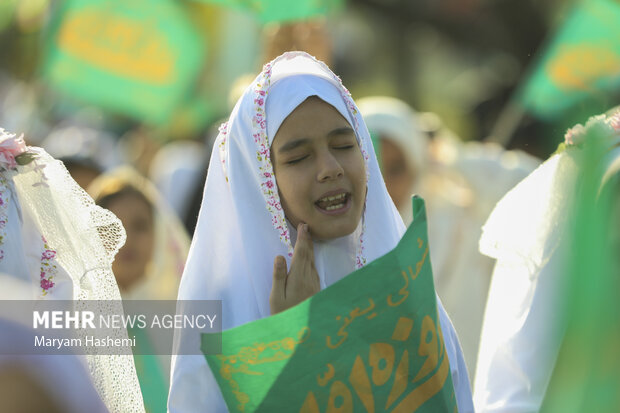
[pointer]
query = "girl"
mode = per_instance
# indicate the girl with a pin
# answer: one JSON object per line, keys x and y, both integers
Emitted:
{"x": 294, "y": 201}
{"x": 147, "y": 267}
{"x": 150, "y": 264}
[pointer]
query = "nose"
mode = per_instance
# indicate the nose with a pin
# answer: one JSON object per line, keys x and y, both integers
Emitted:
{"x": 329, "y": 168}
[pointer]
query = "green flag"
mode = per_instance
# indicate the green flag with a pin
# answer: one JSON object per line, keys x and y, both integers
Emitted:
{"x": 369, "y": 343}
{"x": 586, "y": 377}
{"x": 140, "y": 57}
{"x": 581, "y": 64}
{"x": 282, "y": 10}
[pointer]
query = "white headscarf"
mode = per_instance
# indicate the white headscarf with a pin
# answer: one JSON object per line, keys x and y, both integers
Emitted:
{"x": 242, "y": 228}
{"x": 399, "y": 122}
{"x": 171, "y": 242}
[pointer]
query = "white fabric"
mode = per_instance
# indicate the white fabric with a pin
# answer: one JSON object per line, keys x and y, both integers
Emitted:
{"x": 54, "y": 237}
{"x": 64, "y": 378}
{"x": 526, "y": 233}
{"x": 241, "y": 228}
{"x": 395, "y": 120}
{"x": 176, "y": 170}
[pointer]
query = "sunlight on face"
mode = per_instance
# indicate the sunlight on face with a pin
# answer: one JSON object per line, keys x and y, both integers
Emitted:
{"x": 398, "y": 175}
{"x": 319, "y": 170}
{"x": 130, "y": 263}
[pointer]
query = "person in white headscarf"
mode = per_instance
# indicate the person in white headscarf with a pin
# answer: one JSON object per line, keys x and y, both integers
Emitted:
{"x": 148, "y": 266}
{"x": 529, "y": 233}
{"x": 292, "y": 176}
{"x": 460, "y": 183}
{"x": 55, "y": 239}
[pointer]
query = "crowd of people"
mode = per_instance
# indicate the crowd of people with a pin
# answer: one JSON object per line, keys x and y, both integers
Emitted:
{"x": 296, "y": 188}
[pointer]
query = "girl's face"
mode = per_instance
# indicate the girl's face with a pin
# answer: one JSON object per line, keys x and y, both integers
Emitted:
{"x": 319, "y": 170}
{"x": 136, "y": 215}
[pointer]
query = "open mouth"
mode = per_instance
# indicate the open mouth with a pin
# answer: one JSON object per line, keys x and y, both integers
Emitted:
{"x": 334, "y": 203}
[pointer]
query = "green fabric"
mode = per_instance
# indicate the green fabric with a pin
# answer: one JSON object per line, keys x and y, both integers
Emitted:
{"x": 370, "y": 342}
{"x": 153, "y": 384}
{"x": 282, "y": 10}
{"x": 581, "y": 63}
{"x": 586, "y": 376}
{"x": 139, "y": 58}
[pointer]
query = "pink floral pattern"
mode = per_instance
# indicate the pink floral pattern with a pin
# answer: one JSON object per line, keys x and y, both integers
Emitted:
{"x": 4, "y": 196}
{"x": 10, "y": 147}
{"x": 609, "y": 126}
{"x": 223, "y": 129}
{"x": 266, "y": 175}
{"x": 48, "y": 268}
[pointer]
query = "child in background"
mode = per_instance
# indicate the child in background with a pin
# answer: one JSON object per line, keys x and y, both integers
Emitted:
{"x": 147, "y": 267}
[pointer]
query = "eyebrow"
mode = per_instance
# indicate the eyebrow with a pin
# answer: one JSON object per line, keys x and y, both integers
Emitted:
{"x": 345, "y": 130}
{"x": 289, "y": 146}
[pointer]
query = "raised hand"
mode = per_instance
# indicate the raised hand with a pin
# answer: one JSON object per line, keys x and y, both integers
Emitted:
{"x": 302, "y": 281}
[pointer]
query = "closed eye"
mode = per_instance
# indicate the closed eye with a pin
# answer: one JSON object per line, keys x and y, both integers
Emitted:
{"x": 296, "y": 160}
{"x": 343, "y": 147}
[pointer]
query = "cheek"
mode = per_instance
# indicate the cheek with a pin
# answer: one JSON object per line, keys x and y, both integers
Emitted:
{"x": 292, "y": 190}
{"x": 358, "y": 172}
{"x": 147, "y": 241}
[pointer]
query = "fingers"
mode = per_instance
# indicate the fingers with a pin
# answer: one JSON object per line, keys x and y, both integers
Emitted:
{"x": 278, "y": 288}
{"x": 304, "y": 249}
{"x": 279, "y": 272}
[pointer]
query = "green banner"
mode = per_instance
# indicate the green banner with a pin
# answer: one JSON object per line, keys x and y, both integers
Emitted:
{"x": 282, "y": 10}
{"x": 586, "y": 376}
{"x": 139, "y": 58}
{"x": 369, "y": 343}
{"x": 582, "y": 62}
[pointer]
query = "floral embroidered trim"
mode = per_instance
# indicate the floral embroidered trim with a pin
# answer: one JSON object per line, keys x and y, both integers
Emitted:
{"x": 266, "y": 175}
{"x": 608, "y": 126}
{"x": 3, "y": 212}
{"x": 223, "y": 129}
{"x": 614, "y": 121}
{"x": 48, "y": 268}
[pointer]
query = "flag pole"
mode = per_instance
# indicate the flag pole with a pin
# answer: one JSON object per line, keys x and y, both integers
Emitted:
{"x": 506, "y": 124}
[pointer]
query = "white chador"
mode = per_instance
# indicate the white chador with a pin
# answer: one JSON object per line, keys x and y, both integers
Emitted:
{"x": 241, "y": 227}
{"x": 56, "y": 244}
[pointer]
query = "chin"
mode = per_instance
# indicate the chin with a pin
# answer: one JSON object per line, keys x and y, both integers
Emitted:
{"x": 331, "y": 231}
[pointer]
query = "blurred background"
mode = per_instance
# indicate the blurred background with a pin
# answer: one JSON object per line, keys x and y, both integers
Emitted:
{"x": 517, "y": 71}
{"x": 146, "y": 83}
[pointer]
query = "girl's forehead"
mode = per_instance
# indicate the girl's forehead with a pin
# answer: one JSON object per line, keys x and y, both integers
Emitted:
{"x": 287, "y": 94}
{"x": 313, "y": 118}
